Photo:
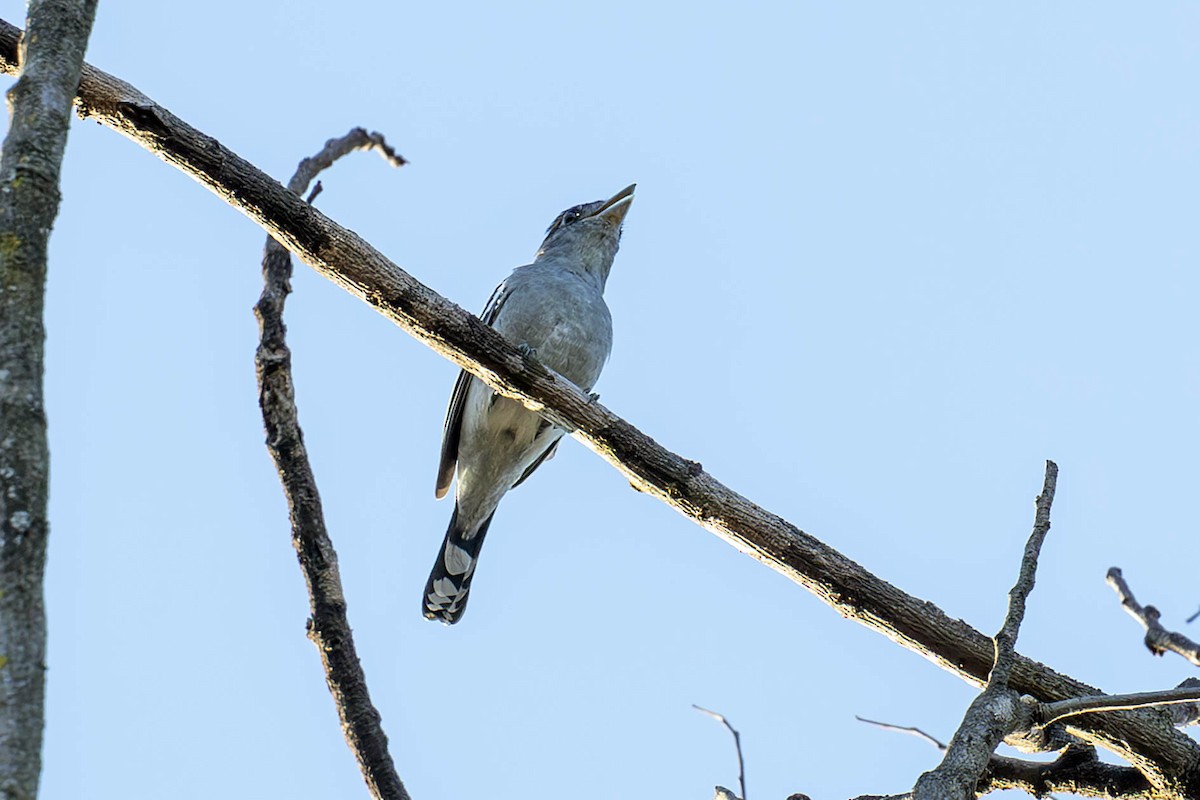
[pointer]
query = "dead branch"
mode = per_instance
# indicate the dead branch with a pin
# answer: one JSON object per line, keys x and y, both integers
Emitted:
{"x": 1078, "y": 771}
{"x": 40, "y": 104}
{"x": 737, "y": 743}
{"x": 998, "y": 710}
{"x": 1185, "y": 694}
{"x": 920, "y": 734}
{"x": 1158, "y": 639}
{"x": 328, "y": 625}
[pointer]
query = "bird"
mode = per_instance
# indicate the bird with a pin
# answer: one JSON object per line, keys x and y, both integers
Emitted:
{"x": 553, "y": 310}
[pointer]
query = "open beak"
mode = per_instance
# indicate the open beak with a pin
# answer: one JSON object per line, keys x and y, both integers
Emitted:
{"x": 617, "y": 206}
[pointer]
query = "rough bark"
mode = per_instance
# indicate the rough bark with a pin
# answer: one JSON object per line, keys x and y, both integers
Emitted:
{"x": 328, "y": 625}
{"x": 40, "y": 104}
{"x": 1077, "y": 772}
{"x": 1158, "y": 639}
{"x": 1180, "y": 702}
{"x": 998, "y": 711}
{"x": 1170, "y": 759}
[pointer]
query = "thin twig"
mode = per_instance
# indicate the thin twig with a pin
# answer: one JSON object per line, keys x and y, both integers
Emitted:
{"x": 920, "y": 734}
{"x": 328, "y": 626}
{"x": 1193, "y": 617}
{"x": 737, "y": 742}
{"x": 1158, "y": 639}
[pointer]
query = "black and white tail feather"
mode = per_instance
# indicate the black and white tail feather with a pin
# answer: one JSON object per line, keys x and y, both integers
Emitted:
{"x": 449, "y": 583}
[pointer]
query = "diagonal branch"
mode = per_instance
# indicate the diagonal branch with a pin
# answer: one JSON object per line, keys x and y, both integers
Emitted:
{"x": 909, "y": 729}
{"x": 1171, "y": 758}
{"x": 40, "y": 104}
{"x": 1158, "y": 640}
{"x": 328, "y": 626}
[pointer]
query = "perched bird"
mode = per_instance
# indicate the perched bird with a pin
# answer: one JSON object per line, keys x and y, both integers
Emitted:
{"x": 554, "y": 310}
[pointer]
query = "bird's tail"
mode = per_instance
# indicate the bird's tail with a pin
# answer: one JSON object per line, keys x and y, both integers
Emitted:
{"x": 446, "y": 591}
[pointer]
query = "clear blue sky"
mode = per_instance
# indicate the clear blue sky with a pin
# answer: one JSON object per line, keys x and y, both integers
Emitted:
{"x": 884, "y": 260}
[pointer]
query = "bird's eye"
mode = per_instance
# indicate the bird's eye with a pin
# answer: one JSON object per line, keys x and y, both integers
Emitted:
{"x": 568, "y": 217}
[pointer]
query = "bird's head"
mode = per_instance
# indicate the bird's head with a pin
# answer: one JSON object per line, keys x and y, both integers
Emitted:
{"x": 589, "y": 233}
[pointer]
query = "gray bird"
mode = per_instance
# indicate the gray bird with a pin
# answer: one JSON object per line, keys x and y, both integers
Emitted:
{"x": 552, "y": 309}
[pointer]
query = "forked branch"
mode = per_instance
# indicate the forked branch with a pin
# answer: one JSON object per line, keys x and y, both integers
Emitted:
{"x": 1158, "y": 639}
{"x": 328, "y": 625}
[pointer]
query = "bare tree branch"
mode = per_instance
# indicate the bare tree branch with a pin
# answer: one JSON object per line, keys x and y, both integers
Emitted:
{"x": 1052, "y": 712}
{"x": 40, "y": 102}
{"x": 328, "y": 627}
{"x": 1185, "y": 714}
{"x": 1158, "y": 639}
{"x": 1172, "y": 758}
{"x": 920, "y": 734}
{"x": 737, "y": 743}
{"x": 1077, "y": 771}
{"x": 998, "y": 710}
{"x": 1006, "y": 639}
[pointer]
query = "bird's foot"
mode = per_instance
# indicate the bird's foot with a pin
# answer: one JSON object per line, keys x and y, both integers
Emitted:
{"x": 593, "y": 398}
{"x": 527, "y": 351}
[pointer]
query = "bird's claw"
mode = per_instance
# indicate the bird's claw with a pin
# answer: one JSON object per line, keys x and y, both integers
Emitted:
{"x": 593, "y": 398}
{"x": 527, "y": 351}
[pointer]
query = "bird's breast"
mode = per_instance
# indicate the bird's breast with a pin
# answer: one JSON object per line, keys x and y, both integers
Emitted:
{"x": 571, "y": 330}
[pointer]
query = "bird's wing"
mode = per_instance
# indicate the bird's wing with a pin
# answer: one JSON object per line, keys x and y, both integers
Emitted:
{"x": 546, "y": 455}
{"x": 452, "y": 429}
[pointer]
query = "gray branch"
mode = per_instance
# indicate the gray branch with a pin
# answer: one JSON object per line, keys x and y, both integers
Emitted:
{"x": 1187, "y": 694}
{"x": 920, "y": 734}
{"x": 737, "y": 743}
{"x": 998, "y": 710}
{"x": 1077, "y": 771}
{"x": 1158, "y": 639}
{"x": 40, "y": 102}
{"x": 328, "y": 625}
{"x": 1184, "y": 714}
{"x": 1171, "y": 758}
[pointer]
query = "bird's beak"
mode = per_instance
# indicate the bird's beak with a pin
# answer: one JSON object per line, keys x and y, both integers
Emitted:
{"x": 617, "y": 206}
